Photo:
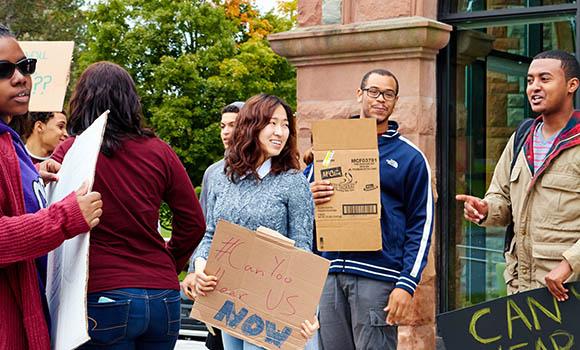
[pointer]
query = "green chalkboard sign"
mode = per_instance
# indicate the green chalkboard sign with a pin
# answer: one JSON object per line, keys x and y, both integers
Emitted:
{"x": 528, "y": 320}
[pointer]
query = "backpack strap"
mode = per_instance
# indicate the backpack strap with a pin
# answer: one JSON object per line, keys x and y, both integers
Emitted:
{"x": 520, "y": 138}
{"x": 521, "y": 134}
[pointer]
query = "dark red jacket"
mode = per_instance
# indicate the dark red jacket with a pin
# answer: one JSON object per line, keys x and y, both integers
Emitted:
{"x": 126, "y": 249}
{"x": 24, "y": 237}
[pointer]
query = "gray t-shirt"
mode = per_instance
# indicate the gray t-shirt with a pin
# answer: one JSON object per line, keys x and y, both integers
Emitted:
{"x": 208, "y": 176}
{"x": 541, "y": 146}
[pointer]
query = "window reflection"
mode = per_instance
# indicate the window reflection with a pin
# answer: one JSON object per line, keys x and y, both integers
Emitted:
{"x": 483, "y": 5}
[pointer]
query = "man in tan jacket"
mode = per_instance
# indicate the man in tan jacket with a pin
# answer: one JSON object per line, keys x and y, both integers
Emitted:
{"x": 542, "y": 192}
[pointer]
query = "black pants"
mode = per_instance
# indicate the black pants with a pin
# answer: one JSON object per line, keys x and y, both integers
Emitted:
{"x": 214, "y": 342}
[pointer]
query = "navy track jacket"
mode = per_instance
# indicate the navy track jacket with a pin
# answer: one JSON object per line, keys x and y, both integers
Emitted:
{"x": 406, "y": 217}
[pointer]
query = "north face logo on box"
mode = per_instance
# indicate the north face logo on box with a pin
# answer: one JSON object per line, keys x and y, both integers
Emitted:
{"x": 331, "y": 173}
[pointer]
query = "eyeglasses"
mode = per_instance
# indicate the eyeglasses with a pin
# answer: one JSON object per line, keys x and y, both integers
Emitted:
{"x": 26, "y": 66}
{"x": 388, "y": 95}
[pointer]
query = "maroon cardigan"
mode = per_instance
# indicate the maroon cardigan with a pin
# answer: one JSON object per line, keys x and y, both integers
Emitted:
{"x": 24, "y": 237}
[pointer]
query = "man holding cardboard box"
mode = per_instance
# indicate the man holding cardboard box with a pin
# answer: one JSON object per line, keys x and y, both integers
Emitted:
{"x": 367, "y": 293}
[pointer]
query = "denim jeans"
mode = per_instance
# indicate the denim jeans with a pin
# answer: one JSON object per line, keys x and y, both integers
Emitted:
{"x": 132, "y": 318}
{"x": 312, "y": 343}
{"x": 233, "y": 343}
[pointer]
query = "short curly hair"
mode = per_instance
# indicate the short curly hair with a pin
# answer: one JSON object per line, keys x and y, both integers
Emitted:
{"x": 569, "y": 63}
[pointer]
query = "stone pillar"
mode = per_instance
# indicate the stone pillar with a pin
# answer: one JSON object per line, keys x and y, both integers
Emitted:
{"x": 335, "y": 44}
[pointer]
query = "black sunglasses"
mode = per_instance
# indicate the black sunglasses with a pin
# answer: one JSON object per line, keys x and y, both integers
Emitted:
{"x": 25, "y": 66}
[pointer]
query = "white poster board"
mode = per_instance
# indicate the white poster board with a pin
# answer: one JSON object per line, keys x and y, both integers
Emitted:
{"x": 51, "y": 78}
{"x": 67, "y": 272}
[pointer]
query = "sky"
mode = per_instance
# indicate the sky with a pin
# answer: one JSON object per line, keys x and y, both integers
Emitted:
{"x": 265, "y": 5}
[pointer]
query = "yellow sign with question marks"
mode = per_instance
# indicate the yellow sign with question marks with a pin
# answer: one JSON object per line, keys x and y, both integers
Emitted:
{"x": 51, "y": 78}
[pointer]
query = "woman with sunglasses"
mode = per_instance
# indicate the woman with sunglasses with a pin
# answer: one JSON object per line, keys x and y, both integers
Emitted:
{"x": 28, "y": 231}
{"x": 261, "y": 186}
{"x": 43, "y": 132}
{"x": 133, "y": 292}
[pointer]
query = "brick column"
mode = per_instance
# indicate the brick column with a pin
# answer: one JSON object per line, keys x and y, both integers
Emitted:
{"x": 337, "y": 41}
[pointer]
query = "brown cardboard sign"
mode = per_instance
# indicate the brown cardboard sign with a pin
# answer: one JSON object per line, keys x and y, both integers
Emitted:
{"x": 266, "y": 287}
{"x": 51, "y": 78}
{"x": 346, "y": 154}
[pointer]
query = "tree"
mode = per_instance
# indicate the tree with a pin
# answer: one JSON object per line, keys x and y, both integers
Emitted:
{"x": 55, "y": 20}
{"x": 189, "y": 58}
{"x": 45, "y": 20}
{"x": 289, "y": 9}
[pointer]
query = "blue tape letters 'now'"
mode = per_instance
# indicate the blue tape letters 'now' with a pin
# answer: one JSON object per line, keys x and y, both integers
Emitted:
{"x": 253, "y": 325}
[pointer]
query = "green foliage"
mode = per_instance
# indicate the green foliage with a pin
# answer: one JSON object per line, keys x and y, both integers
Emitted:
{"x": 189, "y": 58}
{"x": 165, "y": 220}
{"x": 43, "y": 19}
{"x": 289, "y": 11}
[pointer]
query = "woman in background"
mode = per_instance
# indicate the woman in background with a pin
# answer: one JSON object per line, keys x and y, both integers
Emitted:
{"x": 133, "y": 290}
{"x": 261, "y": 186}
{"x": 44, "y": 132}
{"x": 227, "y": 124}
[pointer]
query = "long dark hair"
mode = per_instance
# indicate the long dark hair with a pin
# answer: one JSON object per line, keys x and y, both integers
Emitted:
{"x": 105, "y": 85}
{"x": 244, "y": 150}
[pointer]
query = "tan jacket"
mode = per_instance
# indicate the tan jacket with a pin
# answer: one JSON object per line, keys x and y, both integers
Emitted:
{"x": 546, "y": 217}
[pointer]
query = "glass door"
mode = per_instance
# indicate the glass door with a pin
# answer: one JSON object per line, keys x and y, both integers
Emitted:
{"x": 488, "y": 101}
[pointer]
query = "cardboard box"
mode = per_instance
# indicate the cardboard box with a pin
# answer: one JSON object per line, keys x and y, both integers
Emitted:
{"x": 51, "y": 78}
{"x": 266, "y": 287}
{"x": 346, "y": 154}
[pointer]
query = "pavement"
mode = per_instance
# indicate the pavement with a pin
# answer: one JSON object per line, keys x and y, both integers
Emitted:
{"x": 190, "y": 345}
